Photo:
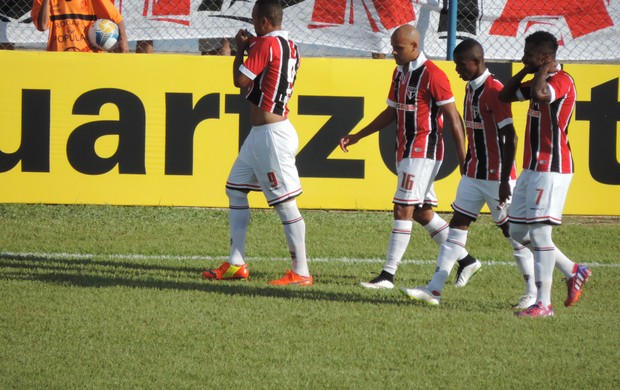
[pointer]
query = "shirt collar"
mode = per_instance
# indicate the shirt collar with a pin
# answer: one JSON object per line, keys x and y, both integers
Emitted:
{"x": 413, "y": 65}
{"x": 478, "y": 81}
{"x": 277, "y": 33}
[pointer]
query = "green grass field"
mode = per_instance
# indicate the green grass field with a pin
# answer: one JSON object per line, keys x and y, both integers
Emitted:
{"x": 111, "y": 297}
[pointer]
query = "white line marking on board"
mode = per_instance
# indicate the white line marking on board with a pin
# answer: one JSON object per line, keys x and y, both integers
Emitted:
{"x": 137, "y": 256}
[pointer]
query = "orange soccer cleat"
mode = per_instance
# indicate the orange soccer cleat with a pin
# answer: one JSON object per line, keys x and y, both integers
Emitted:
{"x": 227, "y": 271}
{"x": 292, "y": 279}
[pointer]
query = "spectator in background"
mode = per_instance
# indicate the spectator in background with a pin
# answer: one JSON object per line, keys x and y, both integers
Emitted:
{"x": 68, "y": 22}
{"x": 216, "y": 46}
{"x": 145, "y": 46}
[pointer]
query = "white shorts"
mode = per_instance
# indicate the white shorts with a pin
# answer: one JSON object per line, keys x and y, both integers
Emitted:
{"x": 415, "y": 181}
{"x": 539, "y": 197}
{"x": 266, "y": 162}
{"x": 472, "y": 194}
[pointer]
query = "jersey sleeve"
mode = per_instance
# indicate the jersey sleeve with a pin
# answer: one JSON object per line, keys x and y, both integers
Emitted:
{"x": 105, "y": 9}
{"x": 258, "y": 59}
{"x": 440, "y": 88}
{"x": 559, "y": 85}
{"x": 501, "y": 111}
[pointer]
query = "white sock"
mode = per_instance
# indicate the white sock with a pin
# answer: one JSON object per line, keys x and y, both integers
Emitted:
{"x": 564, "y": 264}
{"x": 399, "y": 239}
{"x": 239, "y": 220}
{"x": 525, "y": 261}
{"x": 449, "y": 252}
{"x": 544, "y": 260}
{"x": 438, "y": 229}
{"x": 295, "y": 232}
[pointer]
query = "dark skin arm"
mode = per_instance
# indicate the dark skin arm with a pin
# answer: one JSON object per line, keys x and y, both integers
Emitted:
{"x": 239, "y": 79}
{"x": 386, "y": 117}
{"x": 508, "y": 94}
{"x": 451, "y": 115}
{"x": 510, "y": 145}
{"x": 540, "y": 88}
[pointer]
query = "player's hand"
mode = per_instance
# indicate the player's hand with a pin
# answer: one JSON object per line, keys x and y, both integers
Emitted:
{"x": 123, "y": 46}
{"x": 348, "y": 140}
{"x": 242, "y": 39}
{"x": 549, "y": 67}
{"x": 504, "y": 193}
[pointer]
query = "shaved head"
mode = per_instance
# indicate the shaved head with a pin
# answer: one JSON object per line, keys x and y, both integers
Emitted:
{"x": 407, "y": 32}
{"x": 405, "y": 44}
{"x": 470, "y": 49}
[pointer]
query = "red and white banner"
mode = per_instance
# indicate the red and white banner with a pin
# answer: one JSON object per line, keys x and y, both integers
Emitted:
{"x": 587, "y": 29}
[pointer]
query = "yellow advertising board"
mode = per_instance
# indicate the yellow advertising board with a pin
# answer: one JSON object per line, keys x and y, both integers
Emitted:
{"x": 164, "y": 129}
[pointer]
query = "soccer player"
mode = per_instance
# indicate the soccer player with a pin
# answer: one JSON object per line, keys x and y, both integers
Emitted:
{"x": 541, "y": 189}
{"x": 68, "y": 22}
{"x": 266, "y": 160}
{"x": 419, "y": 98}
{"x": 489, "y": 171}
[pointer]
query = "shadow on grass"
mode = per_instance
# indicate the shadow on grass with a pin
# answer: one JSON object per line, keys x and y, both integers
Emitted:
{"x": 101, "y": 273}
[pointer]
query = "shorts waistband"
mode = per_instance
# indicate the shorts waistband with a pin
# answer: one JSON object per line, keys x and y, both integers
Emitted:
{"x": 273, "y": 126}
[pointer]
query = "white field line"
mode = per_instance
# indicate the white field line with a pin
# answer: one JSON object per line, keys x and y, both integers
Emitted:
{"x": 137, "y": 256}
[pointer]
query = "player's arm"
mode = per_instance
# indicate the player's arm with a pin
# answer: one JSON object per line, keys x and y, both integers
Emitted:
{"x": 508, "y": 94}
{"x": 509, "y": 135}
{"x": 451, "y": 115}
{"x": 242, "y": 39}
{"x": 41, "y": 14}
{"x": 382, "y": 120}
{"x": 540, "y": 89}
{"x": 123, "y": 44}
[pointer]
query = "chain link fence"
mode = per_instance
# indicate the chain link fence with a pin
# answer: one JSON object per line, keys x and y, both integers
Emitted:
{"x": 586, "y": 29}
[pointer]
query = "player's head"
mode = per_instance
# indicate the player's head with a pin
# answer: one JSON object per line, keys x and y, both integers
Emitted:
{"x": 405, "y": 44}
{"x": 267, "y": 16}
{"x": 469, "y": 59}
{"x": 540, "y": 48}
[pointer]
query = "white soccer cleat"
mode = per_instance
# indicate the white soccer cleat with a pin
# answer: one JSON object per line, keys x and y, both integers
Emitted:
{"x": 524, "y": 302}
{"x": 422, "y": 294}
{"x": 380, "y": 282}
{"x": 463, "y": 274}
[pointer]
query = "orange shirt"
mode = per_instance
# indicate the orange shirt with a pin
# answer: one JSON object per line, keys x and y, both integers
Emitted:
{"x": 70, "y": 19}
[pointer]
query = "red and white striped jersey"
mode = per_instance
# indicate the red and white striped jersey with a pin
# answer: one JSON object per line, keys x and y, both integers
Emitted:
{"x": 484, "y": 115}
{"x": 272, "y": 64}
{"x": 546, "y": 135}
{"x": 418, "y": 90}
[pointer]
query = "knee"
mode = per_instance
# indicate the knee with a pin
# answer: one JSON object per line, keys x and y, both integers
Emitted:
{"x": 423, "y": 215}
{"x": 236, "y": 197}
{"x": 519, "y": 233}
{"x": 541, "y": 236}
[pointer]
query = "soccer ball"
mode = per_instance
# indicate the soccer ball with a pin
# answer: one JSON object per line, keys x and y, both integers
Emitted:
{"x": 103, "y": 34}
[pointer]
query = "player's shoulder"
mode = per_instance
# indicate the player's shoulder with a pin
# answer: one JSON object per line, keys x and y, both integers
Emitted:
{"x": 432, "y": 66}
{"x": 493, "y": 84}
{"x": 562, "y": 74}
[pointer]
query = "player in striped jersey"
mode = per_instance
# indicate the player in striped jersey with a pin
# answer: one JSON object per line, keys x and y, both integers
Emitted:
{"x": 419, "y": 98}
{"x": 68, "y": 22}
{"x": 541, "y": 189}
{"x": 489, "y": 171}
{"x": 266, "y": 161}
